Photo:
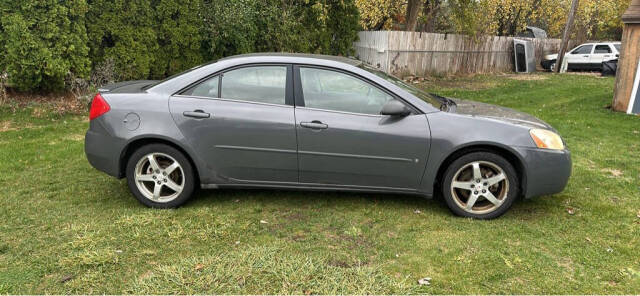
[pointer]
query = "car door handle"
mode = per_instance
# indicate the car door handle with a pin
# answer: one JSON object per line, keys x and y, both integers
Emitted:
{"x": 196, "y": 114}
{"x": 585, "y": 56}
{"x": 317, "y": 125}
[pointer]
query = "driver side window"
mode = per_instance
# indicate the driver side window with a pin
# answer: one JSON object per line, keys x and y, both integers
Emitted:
{"x": 585, "y": 49}
{"x": 332, "y": 90}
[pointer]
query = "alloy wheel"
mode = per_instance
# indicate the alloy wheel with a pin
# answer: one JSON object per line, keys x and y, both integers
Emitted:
{"x": 479, "y": 187}
{"x": 159, "y": 177}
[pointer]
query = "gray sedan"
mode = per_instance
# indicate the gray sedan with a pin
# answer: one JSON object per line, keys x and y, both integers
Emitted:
{"x": 318, "y": 123}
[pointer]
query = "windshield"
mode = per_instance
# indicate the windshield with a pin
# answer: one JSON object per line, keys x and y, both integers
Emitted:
{"x": 434, "y": 100}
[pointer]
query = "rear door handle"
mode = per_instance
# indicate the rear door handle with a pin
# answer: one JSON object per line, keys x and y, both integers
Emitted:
{"x": 196, "y": 114}
{"x": 317, "y": 125}
{"x": 585, "y": 56}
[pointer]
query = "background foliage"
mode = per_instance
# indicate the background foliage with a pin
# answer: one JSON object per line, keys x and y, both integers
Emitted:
{"x": 596, "y": 19}
{"x": 46, "y": 44}
{"x": 43, "y": 42}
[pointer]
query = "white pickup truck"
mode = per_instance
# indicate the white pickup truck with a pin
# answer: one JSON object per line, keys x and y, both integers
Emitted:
{"x": 587, "y": 56}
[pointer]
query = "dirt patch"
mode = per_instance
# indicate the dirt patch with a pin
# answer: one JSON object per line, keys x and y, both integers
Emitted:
{"x": 295, "y": 216}
{"x": 60, "y": 103}
{"x": 344, "y": 264}
{"x": 612, "y": 172}
{"x": 593, "y": 74}
{"x": 75, "y": 137}
{"x": 526, "y": 77}
{"x": 6, "y": 126}
{"x": 459, "y": 82}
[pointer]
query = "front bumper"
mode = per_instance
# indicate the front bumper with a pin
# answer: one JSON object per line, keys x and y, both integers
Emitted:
{"x": 546, "y": 64}
{"x": 547, "y": 171}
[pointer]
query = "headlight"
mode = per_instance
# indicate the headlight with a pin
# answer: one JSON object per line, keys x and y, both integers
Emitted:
{"x": 546, "y": 139}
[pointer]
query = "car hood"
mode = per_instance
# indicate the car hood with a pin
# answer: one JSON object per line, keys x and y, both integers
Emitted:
{"x": 550, "y": 57}
{"x": 497, "y": 113}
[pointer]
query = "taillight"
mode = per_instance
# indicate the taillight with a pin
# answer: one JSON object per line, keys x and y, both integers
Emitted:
{"x": 98, "y": 107}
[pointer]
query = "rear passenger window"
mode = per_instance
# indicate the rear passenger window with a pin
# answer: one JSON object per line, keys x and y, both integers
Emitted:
{"x": 208, "y": 88}
{"x": 263, "y": 84}
{"x": 602, "y": 49}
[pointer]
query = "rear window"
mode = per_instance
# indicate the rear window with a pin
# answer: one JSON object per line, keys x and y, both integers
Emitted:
{"x": 262, "y": 84}
{"x": 602, "y": 48}
{"x": 617, "y": 46}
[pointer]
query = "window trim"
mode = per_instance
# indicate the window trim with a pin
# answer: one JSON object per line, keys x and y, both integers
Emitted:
{"x": 299, "y": 95}
{"x": 233, "y": 101}
{"x": 288, "y": 93}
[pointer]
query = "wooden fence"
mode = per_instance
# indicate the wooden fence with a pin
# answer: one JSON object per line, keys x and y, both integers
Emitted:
{"x": 417, "y": 53}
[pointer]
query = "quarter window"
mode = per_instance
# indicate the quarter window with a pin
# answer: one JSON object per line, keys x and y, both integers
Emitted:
{"x": 332, "y": 90}
{"x": 585, "y": 49}
{"x": 208, "y": 88}
{"x": 263, "y": 84}
{"x": 602, "y": 49}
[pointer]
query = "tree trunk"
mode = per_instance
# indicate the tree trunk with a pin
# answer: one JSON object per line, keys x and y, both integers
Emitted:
{"x": 566, "y": 34}
{"x": 413, "y": 8}
{"x": 430, "y": 11}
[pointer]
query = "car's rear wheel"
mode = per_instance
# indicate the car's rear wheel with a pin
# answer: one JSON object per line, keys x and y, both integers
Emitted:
{"x": 480, "y": 185}
{"x": 552, "y": 66}
{"x": 160, "y": 176}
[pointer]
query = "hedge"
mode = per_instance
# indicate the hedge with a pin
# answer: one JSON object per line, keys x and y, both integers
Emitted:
{"x": 45, "y": 43}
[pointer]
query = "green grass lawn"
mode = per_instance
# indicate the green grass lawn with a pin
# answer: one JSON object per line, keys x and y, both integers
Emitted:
{"x": 67, "y": 228}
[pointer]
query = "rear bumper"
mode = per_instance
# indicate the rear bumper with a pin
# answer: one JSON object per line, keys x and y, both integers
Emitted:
{"x": 547, "y": 171}
{"x": 103, "y": 150}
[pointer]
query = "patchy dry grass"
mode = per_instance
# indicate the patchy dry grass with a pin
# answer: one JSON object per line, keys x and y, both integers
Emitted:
{"x": 70, "y": 229}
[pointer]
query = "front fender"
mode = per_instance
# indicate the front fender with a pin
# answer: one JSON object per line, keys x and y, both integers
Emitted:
{"x": 451, "y": 133}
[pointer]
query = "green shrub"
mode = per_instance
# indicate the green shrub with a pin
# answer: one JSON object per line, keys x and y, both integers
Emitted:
{"x": 230, "y": 27}
{"x": 178, "y": 26}
{"x": 310, "y": 26}
{"x": 43, "y": 42}
{"x": 122, "y": 31}
{"x": 343, "y": 26}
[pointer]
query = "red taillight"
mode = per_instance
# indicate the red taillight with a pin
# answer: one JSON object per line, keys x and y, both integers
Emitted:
{"x": 98, "y": 107}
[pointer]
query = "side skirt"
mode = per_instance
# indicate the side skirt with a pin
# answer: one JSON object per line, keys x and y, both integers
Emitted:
{"x": 314, "y": 187}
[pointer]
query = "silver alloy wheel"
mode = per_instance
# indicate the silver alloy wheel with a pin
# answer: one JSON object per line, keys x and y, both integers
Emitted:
{"x": 479, "y": 187}
{"x": 159, "y": 177}
{"x": 552, "y": 67}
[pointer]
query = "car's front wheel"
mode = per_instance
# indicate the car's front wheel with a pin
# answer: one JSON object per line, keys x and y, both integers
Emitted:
{"x": 160, "y": 176}
{"x": 480, "y": 185}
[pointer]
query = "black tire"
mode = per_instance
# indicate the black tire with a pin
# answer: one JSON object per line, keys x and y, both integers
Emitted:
{"x": 188, "y": 184}
{"x": 511, "y": 176}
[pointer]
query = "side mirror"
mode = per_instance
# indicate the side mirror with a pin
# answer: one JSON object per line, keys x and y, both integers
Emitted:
{"x": 395, "y": 108}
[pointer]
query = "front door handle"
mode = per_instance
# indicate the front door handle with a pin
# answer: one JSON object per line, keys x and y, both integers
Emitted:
{"x": 196, "y": 114}
{"x": 316, "y": 125}
{"x": 585, "y": 56}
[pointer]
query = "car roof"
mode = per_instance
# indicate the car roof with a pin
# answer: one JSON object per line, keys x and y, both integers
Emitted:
{"x": 341, "y": 59}
{"x": 601, "y": 42}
